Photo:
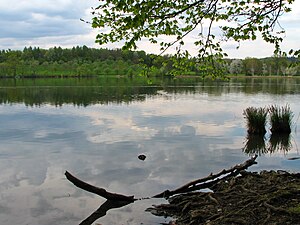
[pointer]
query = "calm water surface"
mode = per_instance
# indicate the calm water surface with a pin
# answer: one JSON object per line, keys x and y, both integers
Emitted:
{"x": 96, "y": 131}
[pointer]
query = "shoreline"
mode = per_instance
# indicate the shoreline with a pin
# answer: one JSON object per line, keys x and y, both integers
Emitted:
{"x": 163, "y": 77}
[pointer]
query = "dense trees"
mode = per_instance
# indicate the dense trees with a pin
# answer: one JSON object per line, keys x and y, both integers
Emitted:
{"x": 271, "y": 66}
{"x": 84, "y": 61}
{"x": 77, "y": 61}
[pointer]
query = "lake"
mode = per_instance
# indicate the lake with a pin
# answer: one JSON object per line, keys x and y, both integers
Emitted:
{"x": 96, "y": 128}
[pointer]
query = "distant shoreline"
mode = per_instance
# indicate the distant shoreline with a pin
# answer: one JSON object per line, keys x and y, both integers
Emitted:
{"x": 122, "y": 76}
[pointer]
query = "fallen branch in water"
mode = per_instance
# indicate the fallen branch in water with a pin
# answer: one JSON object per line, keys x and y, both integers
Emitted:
{"x": 268, "y": 197}
{"x": 198, "y": 184}
{"x": 208, "y": 181}
{"x": 115, "y": 200}
{"x": 96, "y": 190}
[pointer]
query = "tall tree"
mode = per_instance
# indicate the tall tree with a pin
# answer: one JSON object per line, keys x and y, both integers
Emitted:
{"x": 236, "y": 66}
{"x": 132, "y": 20}
{"x": 253, "y": 66}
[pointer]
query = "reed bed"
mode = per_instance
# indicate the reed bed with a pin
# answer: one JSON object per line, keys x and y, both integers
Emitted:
{"x": 280, "y": 119}
{"x": 256, "y": 120}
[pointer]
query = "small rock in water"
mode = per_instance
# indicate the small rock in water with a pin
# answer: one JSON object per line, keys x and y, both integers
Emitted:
{"x": 142, "y": 157}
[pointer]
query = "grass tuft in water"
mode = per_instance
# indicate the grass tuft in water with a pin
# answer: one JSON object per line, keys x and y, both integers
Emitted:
{"x": 281, "y": 119}
{"x": 256, "y": 120}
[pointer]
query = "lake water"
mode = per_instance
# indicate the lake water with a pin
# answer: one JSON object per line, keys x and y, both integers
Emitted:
{"x": 96, "y": 128}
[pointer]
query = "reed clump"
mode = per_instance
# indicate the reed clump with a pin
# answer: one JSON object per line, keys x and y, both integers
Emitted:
{"x": 280, "y": 119}
{"x": 256, "y": 120}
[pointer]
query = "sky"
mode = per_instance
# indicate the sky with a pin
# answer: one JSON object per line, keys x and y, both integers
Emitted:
{"x": 49, "y": 23}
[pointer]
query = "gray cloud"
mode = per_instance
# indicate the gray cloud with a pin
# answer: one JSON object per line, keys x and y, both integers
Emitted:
{"x": 51, "y": 23}
{"x": 36, "y": 19}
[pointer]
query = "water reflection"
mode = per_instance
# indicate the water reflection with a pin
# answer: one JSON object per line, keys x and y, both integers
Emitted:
{"x": 103, "y": 209}
{"x": 257, "y": 144}
{"x": 106, "y": 90}
{"x": 280, "y": 142}
{"x": 186, "y": 131}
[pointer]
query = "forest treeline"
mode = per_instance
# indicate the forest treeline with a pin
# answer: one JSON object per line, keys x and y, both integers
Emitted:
{"x": 83, "y": 61}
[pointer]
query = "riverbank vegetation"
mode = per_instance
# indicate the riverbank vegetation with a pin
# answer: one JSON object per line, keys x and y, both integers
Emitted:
{"x": 82, "y": 61}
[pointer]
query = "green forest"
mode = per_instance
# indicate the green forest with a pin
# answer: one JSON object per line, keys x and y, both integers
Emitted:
{"x": 82, "y": 61}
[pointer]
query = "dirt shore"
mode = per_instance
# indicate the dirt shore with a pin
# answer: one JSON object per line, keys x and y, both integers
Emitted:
{"x": 268, "y": 197}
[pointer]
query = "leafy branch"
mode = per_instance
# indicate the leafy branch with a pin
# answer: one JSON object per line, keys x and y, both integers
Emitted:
{"x": 130, "y": 21}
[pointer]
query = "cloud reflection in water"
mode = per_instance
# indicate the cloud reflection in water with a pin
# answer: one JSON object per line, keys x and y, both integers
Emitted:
{"x": 184, "y": 137}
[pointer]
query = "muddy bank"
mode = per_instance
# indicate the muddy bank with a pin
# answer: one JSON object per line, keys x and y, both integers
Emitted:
{"x": 267, "y": 197}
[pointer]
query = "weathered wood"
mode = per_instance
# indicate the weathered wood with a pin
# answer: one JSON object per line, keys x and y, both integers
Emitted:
{"x": 208, "y": 181}
{"x": 266, "y": 197}
{"x": 96, "y": 190}
{"x": 198, "y": 184}
{"x": 115, "y": 200}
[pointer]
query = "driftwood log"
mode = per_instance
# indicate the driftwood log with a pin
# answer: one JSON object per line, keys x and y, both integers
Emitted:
{"x": 265, "y": 198}
{"x": 210, "y": 180}
{"x": 115, "y": 200}
{"x": 198, "y": 184}
{"x": 99, "y": 191}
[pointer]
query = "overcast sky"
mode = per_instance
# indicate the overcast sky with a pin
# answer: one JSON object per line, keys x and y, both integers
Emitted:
{"x": 49, "y": 23}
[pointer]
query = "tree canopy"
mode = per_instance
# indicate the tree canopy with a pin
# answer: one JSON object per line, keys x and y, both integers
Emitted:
{"x": 130, "y": 21}
{"x": 81, "y": 61}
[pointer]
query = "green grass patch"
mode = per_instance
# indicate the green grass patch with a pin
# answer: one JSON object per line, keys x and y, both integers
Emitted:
{"x": 294, "y": 210}
{"x": 281, "y": 119}
{"x": 256, "y": 120}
